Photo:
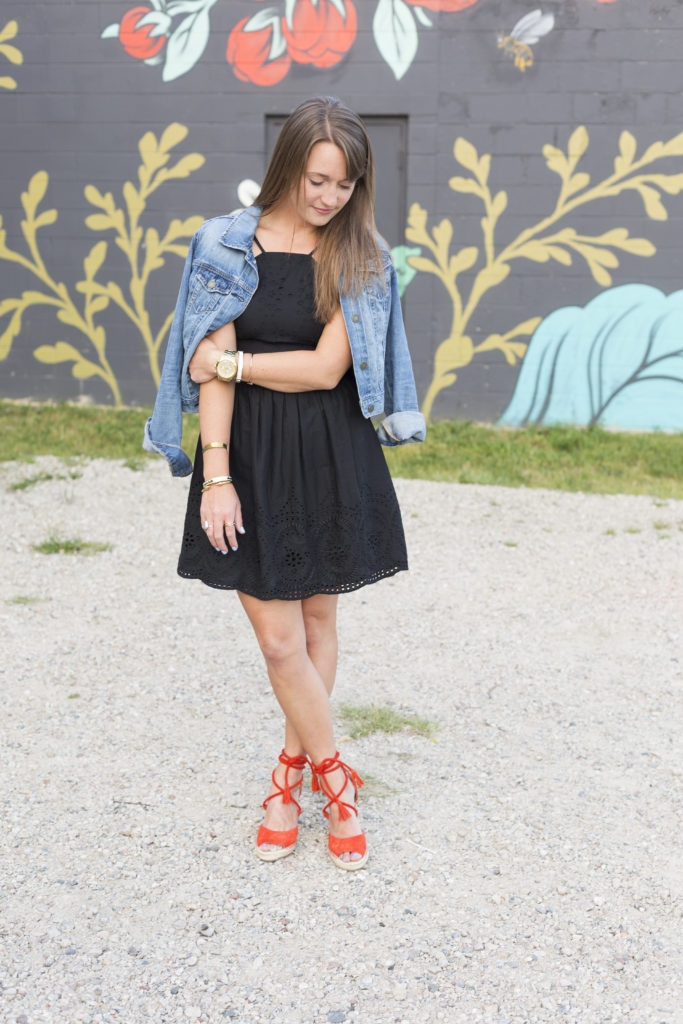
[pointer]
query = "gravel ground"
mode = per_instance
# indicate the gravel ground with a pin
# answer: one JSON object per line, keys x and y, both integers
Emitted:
{"x": 525, "y": 862}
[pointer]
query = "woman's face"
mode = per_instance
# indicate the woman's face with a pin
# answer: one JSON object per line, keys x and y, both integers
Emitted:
{"x": 325, "y": 187}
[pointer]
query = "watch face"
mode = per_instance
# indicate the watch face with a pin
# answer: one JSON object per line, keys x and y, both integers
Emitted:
{"x": 226, "y": 368}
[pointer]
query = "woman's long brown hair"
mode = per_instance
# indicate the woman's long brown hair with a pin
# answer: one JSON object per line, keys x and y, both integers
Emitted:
{"x": 347, "y": 254}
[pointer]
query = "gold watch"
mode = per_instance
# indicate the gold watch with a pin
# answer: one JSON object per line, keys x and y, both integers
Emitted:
{"x": 226, "y": 367}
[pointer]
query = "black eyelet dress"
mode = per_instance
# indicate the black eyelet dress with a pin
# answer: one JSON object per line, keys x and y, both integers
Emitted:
{"x": 319, "y": 507}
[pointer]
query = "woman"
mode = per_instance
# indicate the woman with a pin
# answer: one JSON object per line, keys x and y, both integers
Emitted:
{"x": 289, "y": 324}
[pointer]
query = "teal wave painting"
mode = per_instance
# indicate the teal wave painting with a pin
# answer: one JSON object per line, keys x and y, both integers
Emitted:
{"x": 617, "y": 362}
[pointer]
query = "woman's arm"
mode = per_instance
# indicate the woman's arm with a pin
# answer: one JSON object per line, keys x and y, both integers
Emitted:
{"x": 315, "y": 370}
{"x": 220, "y": 506}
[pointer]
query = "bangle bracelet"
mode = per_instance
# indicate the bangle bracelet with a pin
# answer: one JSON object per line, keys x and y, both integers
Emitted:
{"x": 240, "y": 367}
{"x": 251, "y": 369}
{"x": 221, "y": 483}
{"x": 214, "y": 444}
{"x": 216, "y": 481}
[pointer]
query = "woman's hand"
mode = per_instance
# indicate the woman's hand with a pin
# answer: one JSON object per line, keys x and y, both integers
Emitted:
{"x": 221, "y": 515}
{"x": 209, "y": 350}
{"x": 203, "y": 363}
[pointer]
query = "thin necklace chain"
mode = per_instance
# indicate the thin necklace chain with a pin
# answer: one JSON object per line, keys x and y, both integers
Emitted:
{"x": 291, "y": 241}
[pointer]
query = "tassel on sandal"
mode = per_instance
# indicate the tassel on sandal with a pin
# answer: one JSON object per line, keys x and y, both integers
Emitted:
{"x": 336, "y": 845}
{"x": 284, "y": 842}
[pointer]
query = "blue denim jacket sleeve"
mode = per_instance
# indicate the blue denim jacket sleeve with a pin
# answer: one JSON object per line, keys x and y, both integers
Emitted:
{"x": 219, "y": 278}
{"x": 381, "y": 359}
{"x": 166, "y": 421}
{"x": 403, "y": 422}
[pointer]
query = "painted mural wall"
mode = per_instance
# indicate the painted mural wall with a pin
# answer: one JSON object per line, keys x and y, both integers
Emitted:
{"x": 540, "y": 261}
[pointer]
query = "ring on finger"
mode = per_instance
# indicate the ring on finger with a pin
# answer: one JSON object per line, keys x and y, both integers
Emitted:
{"x": 229, "y": 524}
{"x": 206, "y": 524}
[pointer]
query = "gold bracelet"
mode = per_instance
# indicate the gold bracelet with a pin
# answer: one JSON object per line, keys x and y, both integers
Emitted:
{"x": 251, "y": 369}
{"x": 221, "y": 483}
{"x": 214, "y": 444}
{"x": 216, "y": 481}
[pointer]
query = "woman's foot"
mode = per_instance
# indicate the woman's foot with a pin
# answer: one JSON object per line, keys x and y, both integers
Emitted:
{"x": 277, "y": 835}
{"x": 347, "y": 844}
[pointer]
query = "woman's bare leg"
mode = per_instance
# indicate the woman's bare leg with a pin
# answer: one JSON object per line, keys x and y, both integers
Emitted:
{"x": 320, "y": 625}
{"x": 285, "y": 630}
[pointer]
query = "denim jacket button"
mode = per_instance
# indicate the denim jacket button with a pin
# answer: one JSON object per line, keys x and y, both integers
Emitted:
{"x": 211, "y": 284}
{"x": 355, "y": 318}
{"x": 371, "y": 408}
{"x": 363, "y": 366}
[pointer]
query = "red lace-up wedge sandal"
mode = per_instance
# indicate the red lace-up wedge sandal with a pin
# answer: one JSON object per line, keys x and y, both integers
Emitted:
{"x": 284, "y": 842}
{"x": 350, "y": 844}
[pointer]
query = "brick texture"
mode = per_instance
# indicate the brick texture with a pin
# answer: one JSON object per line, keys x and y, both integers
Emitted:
{"x": 82, "y": 104}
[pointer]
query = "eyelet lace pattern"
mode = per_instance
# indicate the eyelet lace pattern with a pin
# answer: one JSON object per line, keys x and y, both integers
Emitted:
{"x": 318, "y": 504}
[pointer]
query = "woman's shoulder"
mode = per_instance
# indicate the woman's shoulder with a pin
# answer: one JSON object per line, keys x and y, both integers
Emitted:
{"x": 385, "y": 251}
{"x": 235, "y": 227}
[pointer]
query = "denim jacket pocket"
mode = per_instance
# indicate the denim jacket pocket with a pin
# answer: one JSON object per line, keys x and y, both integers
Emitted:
{"x": 208, "y": 287}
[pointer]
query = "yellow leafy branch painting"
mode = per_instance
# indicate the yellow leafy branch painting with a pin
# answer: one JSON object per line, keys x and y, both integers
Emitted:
{"x": 145, "y": 251}
{"x": 541, "y": 243}
{"x": 12, "y": 53}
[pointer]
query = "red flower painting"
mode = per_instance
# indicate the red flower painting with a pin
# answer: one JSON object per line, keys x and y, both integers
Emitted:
{"x": 263, "y": 47}
{"x": 255, "y": 51}
{"x": 318, "y": 33}
{"x": 135, "y": 38}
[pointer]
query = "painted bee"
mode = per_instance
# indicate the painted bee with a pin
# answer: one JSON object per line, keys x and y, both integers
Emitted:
{"x": 527, "y": 31}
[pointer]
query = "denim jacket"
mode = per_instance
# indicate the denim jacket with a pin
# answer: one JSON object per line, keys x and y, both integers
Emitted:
{"x": 219, "y": 279}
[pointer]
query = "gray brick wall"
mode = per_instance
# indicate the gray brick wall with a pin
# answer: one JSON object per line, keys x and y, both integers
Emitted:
{"x": 81, "y": 105}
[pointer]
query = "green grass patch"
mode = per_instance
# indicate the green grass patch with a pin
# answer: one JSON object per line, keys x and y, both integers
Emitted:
{"x": 137, "y": 463}
{"x": 592, "y": 460}
{"x": 41, "y": 478}
{"x": 368, "y": 719}
{"x": 70, "y": 546}
{"x": 74, "y": 431}
{"x": 70, "y": 430}
{"x": 24, "y": 599}
{"x": 558, "y": 458}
